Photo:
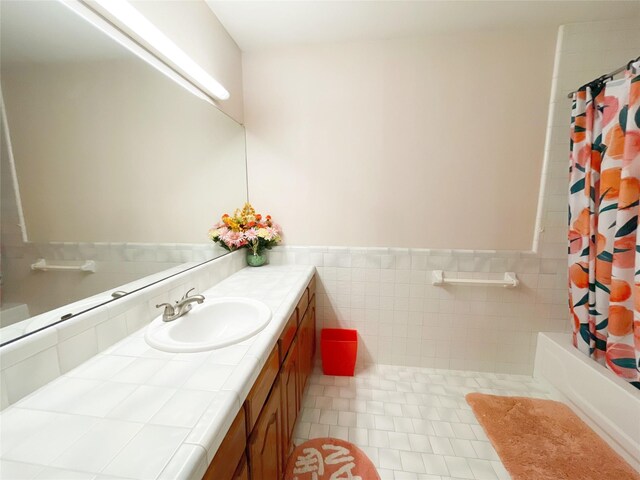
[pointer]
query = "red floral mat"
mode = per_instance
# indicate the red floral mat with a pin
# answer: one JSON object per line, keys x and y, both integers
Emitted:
{"x": 326, "y": 458}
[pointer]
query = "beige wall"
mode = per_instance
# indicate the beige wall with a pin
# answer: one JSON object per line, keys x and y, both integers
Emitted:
{"x": 426, "y": 142}
{"x": 197, "y": 31}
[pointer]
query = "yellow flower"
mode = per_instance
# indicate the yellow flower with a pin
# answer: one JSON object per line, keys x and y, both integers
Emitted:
{"x": 262, "y": 233}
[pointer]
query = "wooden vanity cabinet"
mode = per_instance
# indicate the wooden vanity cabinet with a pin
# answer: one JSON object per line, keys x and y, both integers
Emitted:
{"x": 257, "y": 397}
{"x": 288, "y": 334}
{"x": 290, "y": 401}
{"x": 230, "y": 452}
{"x": 307, "y": 346}
{"x": 266, "y": 441}
{"x": 260, "y": 439}
{"x": 242, "y": 472}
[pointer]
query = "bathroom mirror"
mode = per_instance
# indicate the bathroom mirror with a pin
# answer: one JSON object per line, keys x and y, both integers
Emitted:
{"x": 112, "y": 173}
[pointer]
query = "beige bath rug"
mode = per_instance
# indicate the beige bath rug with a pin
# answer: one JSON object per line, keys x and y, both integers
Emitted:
{"x": 544, "y": 440}
{"x": 329, "y": 458}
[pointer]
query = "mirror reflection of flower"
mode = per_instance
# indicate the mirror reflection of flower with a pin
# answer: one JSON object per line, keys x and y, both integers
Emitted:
{"x": 246, "y": 229}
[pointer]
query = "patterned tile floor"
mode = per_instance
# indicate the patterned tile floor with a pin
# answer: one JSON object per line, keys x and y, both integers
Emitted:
{"x": 413, "y": 423}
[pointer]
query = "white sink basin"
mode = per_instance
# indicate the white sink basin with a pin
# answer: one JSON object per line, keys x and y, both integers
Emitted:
{"x": 216, "y": 323}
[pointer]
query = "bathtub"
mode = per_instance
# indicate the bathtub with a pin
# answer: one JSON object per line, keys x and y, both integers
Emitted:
{"x": 605, "y": 402}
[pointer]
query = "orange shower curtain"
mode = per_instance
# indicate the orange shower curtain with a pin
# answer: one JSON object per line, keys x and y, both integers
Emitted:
{"x": 604, "y": 245}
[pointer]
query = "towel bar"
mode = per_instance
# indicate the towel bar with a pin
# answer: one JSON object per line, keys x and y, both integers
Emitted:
{"x": 510, "y": 280}
{"x": 41, "y": 264}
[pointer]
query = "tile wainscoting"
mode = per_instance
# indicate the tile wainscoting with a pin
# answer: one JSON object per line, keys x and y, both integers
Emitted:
{"x": 387, "y": 295}
{"x": 35, "y": 360}
{"x": 129, "y": 265}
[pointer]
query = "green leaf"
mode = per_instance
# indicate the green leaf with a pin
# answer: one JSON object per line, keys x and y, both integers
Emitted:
{"x": 605, "y": 257}
{"x": 634, "y": 204}
{"x": 622, "y": 118}
{"x": 625, "y": 362}
{"x": 583, "y": 300}
{"x": 600, "y": 344}
{"x": 584, "y": 332}
{"x": 602, "y": 287}
{"x": 613, "y": 206}
{"x": 629, "y": 227}
{"x": 578, "y": 186}
{"x": 602, "y": 324}
{"x": 585, "y": 252}
{"x": 597, "y": 143}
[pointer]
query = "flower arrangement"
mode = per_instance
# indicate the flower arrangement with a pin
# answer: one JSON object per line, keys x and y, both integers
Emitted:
{"x": 246, "y": 229}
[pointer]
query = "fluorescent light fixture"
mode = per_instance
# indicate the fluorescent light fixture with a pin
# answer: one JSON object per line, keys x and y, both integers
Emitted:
{"x": 104, "y": 26}
{"x": 125, "y": 13}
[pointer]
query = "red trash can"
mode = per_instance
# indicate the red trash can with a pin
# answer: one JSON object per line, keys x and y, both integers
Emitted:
{"x": 339, "y": 348}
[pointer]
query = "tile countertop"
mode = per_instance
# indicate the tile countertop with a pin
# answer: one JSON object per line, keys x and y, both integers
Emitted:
{"x": 134, "y": 412}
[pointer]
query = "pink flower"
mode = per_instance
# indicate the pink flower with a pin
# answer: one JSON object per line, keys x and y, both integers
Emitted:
{"x": 251, "y": 234}
{"x": 273, "y": 233}
{"x": 234, "y": 239}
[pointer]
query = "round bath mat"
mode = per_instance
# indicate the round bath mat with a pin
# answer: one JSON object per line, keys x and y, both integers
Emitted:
{"x": 329, "y": 459}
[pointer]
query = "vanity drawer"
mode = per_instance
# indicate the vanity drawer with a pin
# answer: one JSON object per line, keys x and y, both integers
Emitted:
{"x": 288, "y": 334}
{"x": 260, "y": 390}
{"x": 302, "y": 305}
{"x": 231, "y": 450}
{"x": 311, "y": 289}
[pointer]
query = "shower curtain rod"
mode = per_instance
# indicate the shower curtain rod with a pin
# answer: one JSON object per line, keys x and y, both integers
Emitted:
{"x": 609, "y": 75}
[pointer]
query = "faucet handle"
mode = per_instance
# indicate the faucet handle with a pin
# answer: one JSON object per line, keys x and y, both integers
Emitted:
{"x": 168, "y": 308}
{"x": 186, "y": 295}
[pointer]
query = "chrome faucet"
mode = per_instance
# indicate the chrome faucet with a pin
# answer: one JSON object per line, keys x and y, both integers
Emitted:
{"x": 184, "y": 305}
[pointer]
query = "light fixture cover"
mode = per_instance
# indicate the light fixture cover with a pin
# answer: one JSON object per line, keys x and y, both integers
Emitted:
{"x": 128, "y": 16}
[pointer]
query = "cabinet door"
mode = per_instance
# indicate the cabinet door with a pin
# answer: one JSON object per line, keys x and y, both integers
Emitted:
{"x": 242, "y": 473}
{"x": 265, "y": 443}
{"x": 312, "y": 332}
{"x": 306, "y": 345}
{"x": 290, "y": 400}
{"x": 260, "y": 391}
{"x": 231, "y": 450}
{"x": 302, "y": 347}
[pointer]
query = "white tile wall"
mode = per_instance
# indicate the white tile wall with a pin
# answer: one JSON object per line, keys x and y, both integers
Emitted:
{"x": 117, "y": 264}
{"x": 386, "y": 293}
{"x": 35, "y": 360}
